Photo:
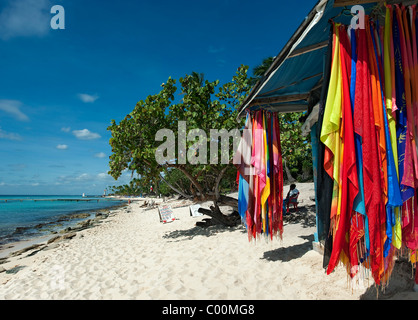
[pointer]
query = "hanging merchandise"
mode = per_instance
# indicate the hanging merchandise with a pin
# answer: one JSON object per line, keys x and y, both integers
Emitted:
{"x": 368, "y": 145}
{"x": 259, "y": 164}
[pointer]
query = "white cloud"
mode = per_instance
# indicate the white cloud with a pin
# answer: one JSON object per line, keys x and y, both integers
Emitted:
{"x": 9, "y": 135}
{"x": 87, "y": 98}
{"x": 35, "y": 184}
{"x": 75, "y": 178}
{"x": 65, "y": 129}
{"x": 62, "y": 147}
{"x": 12, "y": 107}
{"x": 83, "y": 177}
{"x": 22, "y": 18}
{"x": 86, "y": 134}
{"x": 100, "y": 155}
{"x": 103, "y": 175}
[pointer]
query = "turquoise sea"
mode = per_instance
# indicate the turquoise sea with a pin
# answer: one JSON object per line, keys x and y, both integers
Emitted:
{"x": 26, "y": 217}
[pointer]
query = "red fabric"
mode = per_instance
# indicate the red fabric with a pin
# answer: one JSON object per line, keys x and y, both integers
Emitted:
{"x": 410, "y": 223}
{"x": 349, "y": 180}
{"x": 273, "y": 195}
{"x": 251, "y": 194}
{"x": 356, "y": 246}
{"x": 365, "y": 126}
{"x": 278, "y": 222}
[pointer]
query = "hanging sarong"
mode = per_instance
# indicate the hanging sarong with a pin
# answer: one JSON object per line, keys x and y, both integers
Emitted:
{"x": 346, "y": 238}
{"x": 330, "y": 132}
{"x": 277, "y": 223}
{"x": 364, "y": 125}
{"x": 265, "y": 176}
{"x": 401, "y": 112}
{"x": 242, "y": 161}
{"x": 324, "y": 181}
{"x": 395, "y": 200}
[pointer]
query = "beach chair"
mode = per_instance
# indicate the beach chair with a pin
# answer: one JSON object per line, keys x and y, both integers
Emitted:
{"x": 294, "y": 201}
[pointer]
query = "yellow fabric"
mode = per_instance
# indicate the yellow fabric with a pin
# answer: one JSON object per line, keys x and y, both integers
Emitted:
{"x": 389, "y": 85}
{"x": 330, "y": 132}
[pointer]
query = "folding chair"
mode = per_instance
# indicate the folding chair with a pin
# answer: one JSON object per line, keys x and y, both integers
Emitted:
{"x": 294, "y": 201}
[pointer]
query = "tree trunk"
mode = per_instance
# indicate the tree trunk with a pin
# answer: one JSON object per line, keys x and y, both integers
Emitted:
{"x": 218, "y": 181}
{"x": 216, "y": 214}
{"x": 175, "y": 189}
{"x": 195, "y": 183}
{"x": 288, "y": 174}
{"x": 228, "y": 201}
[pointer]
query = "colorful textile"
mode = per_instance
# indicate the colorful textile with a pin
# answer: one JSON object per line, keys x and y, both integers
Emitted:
{"x": 242, "y": 160}
{"x": 367, "y": 181}
{"x": 369, "y": 130}
{"x": 261, "y": 206}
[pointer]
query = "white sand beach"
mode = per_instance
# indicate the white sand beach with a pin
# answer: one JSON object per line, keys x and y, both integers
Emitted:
{"x": 132, "y": 255}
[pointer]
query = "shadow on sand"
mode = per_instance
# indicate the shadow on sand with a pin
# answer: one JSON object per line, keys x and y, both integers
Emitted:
{"x": 306, "y": 216}
{"x": 189, "y": 234}
{"x": 401, "y": 282}
{"x": 289, "y": 253}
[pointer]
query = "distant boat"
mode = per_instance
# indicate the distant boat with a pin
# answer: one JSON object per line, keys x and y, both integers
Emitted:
{"x": 84, "y": 196}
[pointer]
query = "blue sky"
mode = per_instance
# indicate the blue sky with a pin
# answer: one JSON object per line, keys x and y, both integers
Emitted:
{"x": 61, "y": 88}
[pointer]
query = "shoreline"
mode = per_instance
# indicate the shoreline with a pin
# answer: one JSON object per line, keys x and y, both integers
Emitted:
{"x": 71, "y": 222}
{"x": 132, "y": 255}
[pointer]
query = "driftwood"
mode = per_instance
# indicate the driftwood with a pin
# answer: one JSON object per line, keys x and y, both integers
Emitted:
{"x": 218, "y": 217}
{"x": 228, "y": 201}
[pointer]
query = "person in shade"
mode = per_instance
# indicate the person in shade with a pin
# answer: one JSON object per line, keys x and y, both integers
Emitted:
{"x": 291, "y": 195}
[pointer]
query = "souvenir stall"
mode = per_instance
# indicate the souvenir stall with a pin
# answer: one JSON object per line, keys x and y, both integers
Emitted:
{"x": 357, "y": 77}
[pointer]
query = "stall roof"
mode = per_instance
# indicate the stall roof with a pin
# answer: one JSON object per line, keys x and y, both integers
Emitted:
{"x": 296, "y": 72}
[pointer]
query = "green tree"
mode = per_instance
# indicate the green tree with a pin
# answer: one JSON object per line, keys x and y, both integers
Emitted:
{"x": 261, "y": 69}
{"x": 296, "y": 149}
{"x": 204, "y": 105}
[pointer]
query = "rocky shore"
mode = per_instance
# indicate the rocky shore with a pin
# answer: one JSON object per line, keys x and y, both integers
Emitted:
{"x": 56, "y": 233}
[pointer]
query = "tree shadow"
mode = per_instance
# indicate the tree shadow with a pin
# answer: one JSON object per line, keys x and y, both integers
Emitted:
{"x": 286, "y": 254}
{"x": 306, "y": 216}
{"x": 400, "y": 282}
{"x": 189, "y": 234}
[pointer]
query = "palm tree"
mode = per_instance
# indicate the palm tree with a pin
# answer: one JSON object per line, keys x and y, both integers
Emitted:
{"x": 198, "y": 78}
{"x": 260, "y": 70}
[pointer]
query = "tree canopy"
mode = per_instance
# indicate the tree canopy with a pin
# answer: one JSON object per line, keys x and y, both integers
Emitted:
{"x": 204, "y": 105}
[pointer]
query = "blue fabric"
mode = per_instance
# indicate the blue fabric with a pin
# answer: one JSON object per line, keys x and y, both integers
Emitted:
{"x": 401, "y": 115}
{"x": 242, "y": 198}
{"x": 394, "y": 194}
{"x": 243, "y": 192}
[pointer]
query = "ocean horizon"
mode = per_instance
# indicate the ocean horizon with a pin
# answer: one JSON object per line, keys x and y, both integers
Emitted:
{"x": 24, "y": 217}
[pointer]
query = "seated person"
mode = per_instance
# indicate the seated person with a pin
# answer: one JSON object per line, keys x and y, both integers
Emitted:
{"x": 292, "y": 195}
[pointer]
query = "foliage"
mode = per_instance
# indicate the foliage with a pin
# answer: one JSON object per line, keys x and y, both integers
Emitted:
{"x": 136, "y": 187}
{"x": 202, "y": 107}
{"x": 296, "y": 149}
{"x": 260, "y": 70}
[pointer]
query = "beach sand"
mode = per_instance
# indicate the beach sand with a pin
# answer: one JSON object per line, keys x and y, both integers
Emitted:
{"x": 132, "y": 255}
